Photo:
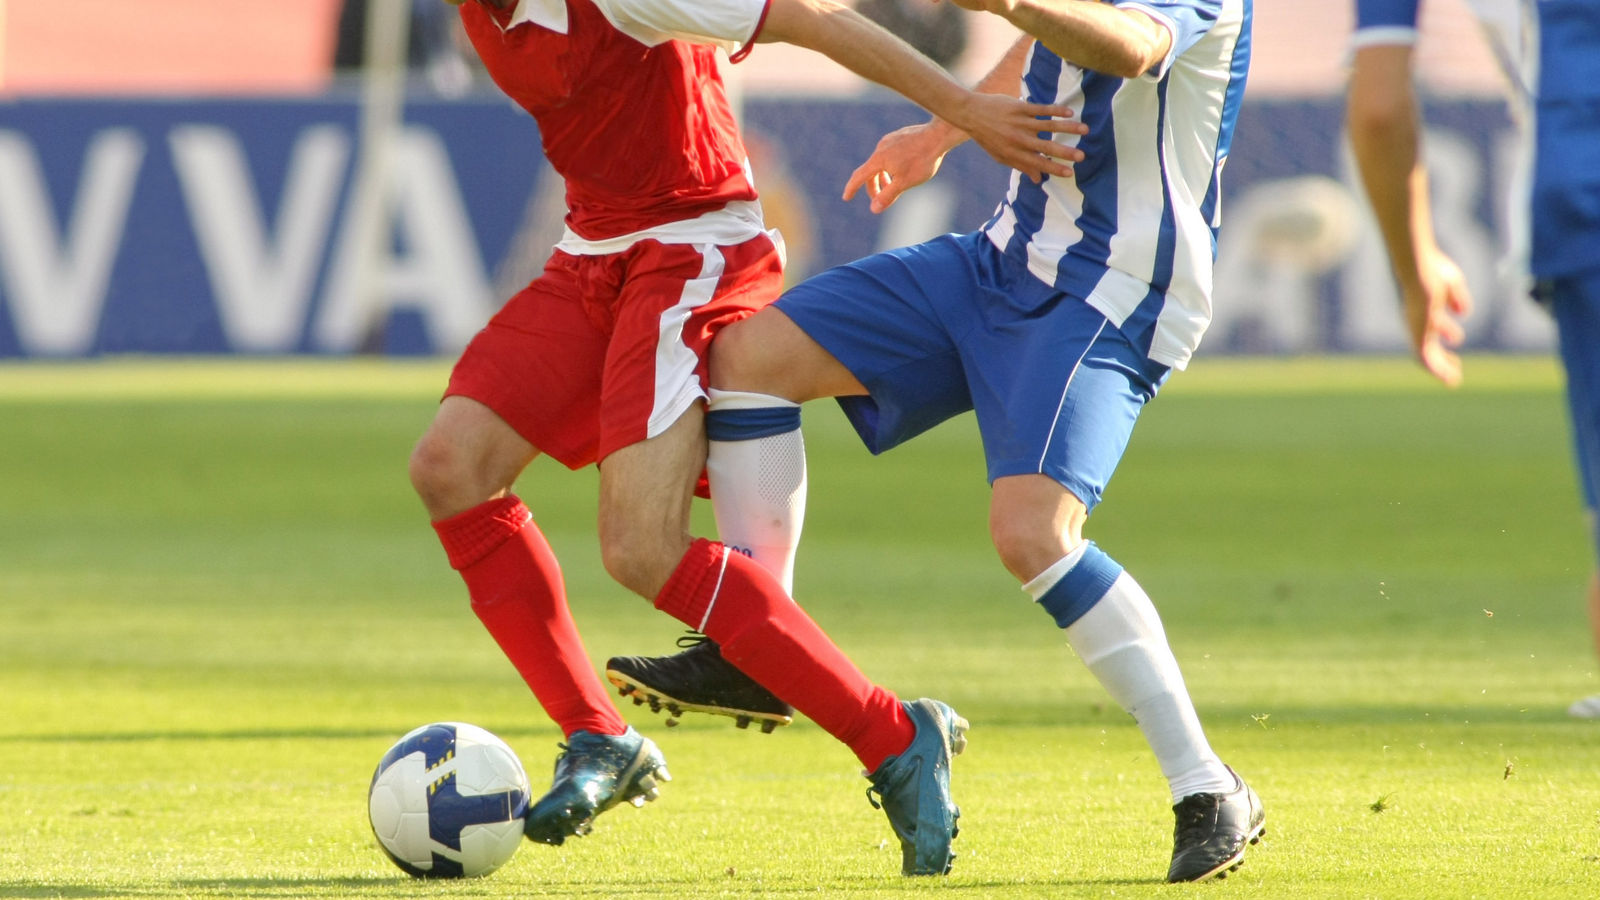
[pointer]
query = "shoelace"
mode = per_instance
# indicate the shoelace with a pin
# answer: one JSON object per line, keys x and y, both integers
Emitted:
{"x": 692, "y": 639}
{"x": 874, "y": 790}
{"x": 1196, "y": 811}
{"x": 565, "y": 749}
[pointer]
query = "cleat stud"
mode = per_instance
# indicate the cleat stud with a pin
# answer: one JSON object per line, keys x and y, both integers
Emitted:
{"x": 742, "y": 721}
{"x": 624, "y": 689}
{"x": 768, "y": 726}
{"x": 638, "y": 700}
{"x": 674, "y": 710}
{"x": 638, "y": 801}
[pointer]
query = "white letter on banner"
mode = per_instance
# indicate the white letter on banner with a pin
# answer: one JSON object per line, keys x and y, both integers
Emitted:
{"x": 441, "y": 274}
{"x": 57, "y": 287}
{"x": 262, "y": 282}
{"x": 1281, "y": 238}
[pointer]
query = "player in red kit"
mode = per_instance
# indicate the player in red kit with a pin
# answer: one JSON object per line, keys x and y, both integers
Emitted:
{"x": 602, "y": 358}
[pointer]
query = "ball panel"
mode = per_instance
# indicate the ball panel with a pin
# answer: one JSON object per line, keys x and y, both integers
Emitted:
{"x": 448, "y": 800}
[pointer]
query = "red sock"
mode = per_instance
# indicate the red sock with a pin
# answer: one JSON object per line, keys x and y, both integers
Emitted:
{"x": 517, "y": 592}
{"x": 740, "y": 605}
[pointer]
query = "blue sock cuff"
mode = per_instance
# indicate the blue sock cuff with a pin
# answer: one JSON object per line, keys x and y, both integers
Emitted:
{"x": 750, "y": 424}
{"x": 1082, "y": 587}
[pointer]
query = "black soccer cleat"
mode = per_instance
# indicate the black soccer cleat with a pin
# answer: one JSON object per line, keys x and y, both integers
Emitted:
{"x": 697, "y": 680}
{"x": 1212, "y": 831}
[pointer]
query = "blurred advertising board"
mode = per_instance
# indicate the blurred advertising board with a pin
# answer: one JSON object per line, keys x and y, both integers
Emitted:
{"x": 217, "y": 226}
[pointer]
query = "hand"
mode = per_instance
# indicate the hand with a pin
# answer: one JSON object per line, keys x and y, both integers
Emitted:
{"x": 902, "y": 160}
{"x": 1009, "y": 130}
{"x": 906, "y": 158}
{"x": 1433, "y": 313}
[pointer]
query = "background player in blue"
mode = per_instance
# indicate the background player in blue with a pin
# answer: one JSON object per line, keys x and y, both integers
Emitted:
{"x": 1559, "y": 53}
{"x": 1056, "y": 322}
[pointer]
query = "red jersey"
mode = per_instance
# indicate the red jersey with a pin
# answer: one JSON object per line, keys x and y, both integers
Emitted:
{"x": 633, "y": 115}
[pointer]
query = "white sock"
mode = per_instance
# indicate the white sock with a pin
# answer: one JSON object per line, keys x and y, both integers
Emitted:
{"x": 1122, "y": 642}
{"x": 758, "y": 486}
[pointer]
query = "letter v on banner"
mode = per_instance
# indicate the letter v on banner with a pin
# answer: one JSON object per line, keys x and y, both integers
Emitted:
{"x": 427, "y": 257}
{"x": 263, "y": 282}
{"x": 56, "y": 278}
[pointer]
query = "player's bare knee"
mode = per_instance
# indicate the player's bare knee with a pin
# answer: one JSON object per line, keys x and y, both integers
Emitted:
{"x": 1024, "y": 551}
{"x": 1029, "y": 544}
{"x": 737, "y": 360}
{"x": 640, "y": 551}
{"x": 642, "y": 565}
{"x": 434, "y": 470}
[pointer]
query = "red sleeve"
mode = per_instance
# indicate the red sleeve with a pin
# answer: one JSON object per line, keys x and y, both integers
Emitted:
{"x": 751, "y": 44}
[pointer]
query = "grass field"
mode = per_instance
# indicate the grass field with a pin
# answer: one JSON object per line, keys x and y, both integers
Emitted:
{"x": 219, "y": 604}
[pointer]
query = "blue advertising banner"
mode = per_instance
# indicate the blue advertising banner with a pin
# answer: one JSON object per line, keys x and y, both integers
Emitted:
{"x": 230, "y": 225}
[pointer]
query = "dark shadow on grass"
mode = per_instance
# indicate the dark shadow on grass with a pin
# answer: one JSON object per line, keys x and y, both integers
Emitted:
{"x": 224, "y": 887}
{"x": 245, "y": 734}
{"x": 1273, "y": 715}
{"x": 248, "y": 734}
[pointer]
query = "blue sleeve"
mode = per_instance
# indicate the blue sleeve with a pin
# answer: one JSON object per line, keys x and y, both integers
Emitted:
{"x": 1386, "y": 13}
{"x": 1189, "y": 20}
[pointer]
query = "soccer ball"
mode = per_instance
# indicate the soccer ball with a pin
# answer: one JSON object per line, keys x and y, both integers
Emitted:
{"x": 447, "y": 801}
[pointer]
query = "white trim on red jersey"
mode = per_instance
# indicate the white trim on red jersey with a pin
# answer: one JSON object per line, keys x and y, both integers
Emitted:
{"x": 729, "y": 24}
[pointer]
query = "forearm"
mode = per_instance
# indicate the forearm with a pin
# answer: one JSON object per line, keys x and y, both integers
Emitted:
{"x": 1384, "y": 136}
{"x": 1089, "y": 34}
{"x": 863, "y": 47}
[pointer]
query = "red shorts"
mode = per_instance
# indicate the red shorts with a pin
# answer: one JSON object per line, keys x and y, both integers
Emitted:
{"x": 600, "y": 352}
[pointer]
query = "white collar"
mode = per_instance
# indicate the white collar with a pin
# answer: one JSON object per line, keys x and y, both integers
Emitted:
{"x": 551, "y": 14}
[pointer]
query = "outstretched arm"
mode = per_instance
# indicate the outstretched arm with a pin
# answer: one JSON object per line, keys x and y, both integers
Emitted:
{"x": 1087, "y": 33}
{"x": 910, "y": 156}
{"x": 1092, "y": 35}
{"x": 1006, "y": 128}
{"x": 1383, "y": 122}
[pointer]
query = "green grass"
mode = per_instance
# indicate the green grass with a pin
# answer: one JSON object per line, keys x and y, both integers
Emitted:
{"x": 219, "y": 603}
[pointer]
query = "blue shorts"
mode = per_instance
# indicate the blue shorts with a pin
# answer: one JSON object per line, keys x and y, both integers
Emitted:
{"x": 950, "y": 325}
{"x": 1575, "y": 303}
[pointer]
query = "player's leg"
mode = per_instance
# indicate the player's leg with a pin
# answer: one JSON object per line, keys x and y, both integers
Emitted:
{"x": 531, "y": 379}
{"x": 645, "y": 493}
{"x": 756, "y": 465}
{"x": 755, "y": 451}
{"x": 741, "y": 605}
{"x": 1065, "y": 396}
{"x": 1575, "y": 304}
{"x": 647, "y": 473}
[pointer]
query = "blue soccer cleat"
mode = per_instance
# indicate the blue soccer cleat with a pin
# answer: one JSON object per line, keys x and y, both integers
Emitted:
{"x": 594, "y": 773}
{"x": 914, "y": 788}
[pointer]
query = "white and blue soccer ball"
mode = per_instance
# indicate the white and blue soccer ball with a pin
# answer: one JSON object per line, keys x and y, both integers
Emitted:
{"x": 448, "y": 801}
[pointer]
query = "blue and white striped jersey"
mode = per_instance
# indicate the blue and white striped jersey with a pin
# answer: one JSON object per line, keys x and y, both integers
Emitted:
{"x": 1133, "y": 232}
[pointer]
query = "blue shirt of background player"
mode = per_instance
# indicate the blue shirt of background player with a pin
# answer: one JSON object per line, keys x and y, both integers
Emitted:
{"x": 1566, "y": 176}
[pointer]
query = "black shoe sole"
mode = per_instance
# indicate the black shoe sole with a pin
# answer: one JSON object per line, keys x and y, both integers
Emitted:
{"x": 642, "y": 694}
